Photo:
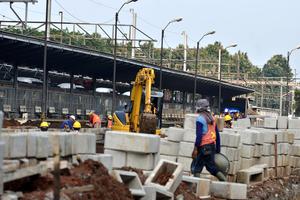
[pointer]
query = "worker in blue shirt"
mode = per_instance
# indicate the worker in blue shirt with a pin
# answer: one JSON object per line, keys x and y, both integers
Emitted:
{"x": 67, "y": 125}
{"x": 207, "y": 142}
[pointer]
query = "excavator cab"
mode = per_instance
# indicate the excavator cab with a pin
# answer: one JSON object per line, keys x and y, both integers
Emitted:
{"x": 149, "y": 123}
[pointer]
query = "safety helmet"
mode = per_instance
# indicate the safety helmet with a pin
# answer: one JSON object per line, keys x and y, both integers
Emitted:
{"x": 44, "y": 125}
{"x": 227, "y": 118}
{"x": 109, "y": 117}
{"x": 202, "y": 104}
{"x": 77, "y": 125}
{"x": 72, "y": 117}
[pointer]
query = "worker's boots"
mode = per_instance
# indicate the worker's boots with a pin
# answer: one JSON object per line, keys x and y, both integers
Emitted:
{"x": 221, "y": 176}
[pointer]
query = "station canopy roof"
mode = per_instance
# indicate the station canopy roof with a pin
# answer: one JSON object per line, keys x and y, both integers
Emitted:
{"x": 27, "y": 51}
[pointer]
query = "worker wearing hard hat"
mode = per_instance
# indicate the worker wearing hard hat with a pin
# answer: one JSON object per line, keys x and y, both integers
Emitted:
{"x": 94, "y": 120}
{"x": 207, "y": 142}
{"x": 228, "y": 120}
{"x": 67, "y": 125}
{"x": 44, "y": 126}
{"x": 76, "y": 126}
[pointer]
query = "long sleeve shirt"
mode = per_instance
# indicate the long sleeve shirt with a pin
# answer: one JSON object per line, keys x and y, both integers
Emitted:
{"x": 201, "y": 129}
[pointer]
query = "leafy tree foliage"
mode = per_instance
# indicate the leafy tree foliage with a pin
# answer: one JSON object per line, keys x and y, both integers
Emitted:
{"x": 277, "y": 67}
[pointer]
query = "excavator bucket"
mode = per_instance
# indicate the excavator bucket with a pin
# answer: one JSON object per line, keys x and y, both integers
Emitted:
{"x": 148, "y": 123}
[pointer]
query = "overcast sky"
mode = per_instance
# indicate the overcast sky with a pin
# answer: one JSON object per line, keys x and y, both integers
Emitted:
{"x": 261, "y": 28}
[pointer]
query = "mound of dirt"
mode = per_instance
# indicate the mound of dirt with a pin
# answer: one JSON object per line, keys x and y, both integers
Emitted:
{"x": 86, "y": 173}
{"x": 187, "y": 193}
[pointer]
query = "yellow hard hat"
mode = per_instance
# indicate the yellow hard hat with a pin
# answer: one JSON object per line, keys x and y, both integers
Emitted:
{"x": 44, "y": 125}
{"x": 227, "y": 118}
{"x": 109, "y": 117}
{"x": 77, "y": 124}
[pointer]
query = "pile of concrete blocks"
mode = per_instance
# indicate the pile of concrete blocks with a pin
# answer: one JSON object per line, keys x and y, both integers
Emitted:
{"x": 226, "y": 190}
{"x": 133, "y": 150}
{"x": 230, "y": 147}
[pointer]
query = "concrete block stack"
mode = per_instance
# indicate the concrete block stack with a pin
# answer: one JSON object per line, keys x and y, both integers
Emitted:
{"x": 133, "y": 150}
{"x": 230, "y": 146}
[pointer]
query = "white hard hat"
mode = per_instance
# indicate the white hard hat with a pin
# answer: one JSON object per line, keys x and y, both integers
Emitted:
{"x": 72, "y": 117}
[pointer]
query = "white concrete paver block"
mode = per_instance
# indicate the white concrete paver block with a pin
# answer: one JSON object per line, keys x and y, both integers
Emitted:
{"x": 119, "y": 158}
{"x": 294, "y": 124}
{"x": 186, "y": 163}
{"x": 156, "y": 193}
{"x": 17, "y": 145}
{"x": 295, "y": 150}
{"x": 169, "y": 148}
{"x": 247, "y": 151}
{"x": 270, "y": 123}
{"x": 189, "y": 135}
{"x": 31, "y": 145}
{"x": 131, "y": 180}
{"x": 199, "y": 186}
{"x": 250, "y": 175}
{"x": 248, "y": 136}
{"x": 42, "y": 142}
{"x": 167, "y": 157}
{"x": 229, "y": 190}
{"x": 175, "y": 134}
{"x": 282, "y": 122}
{"x": 232, "y": 154}
{"x": 246, "y": 163}
{"x": 84, "y": 143}
{"x": 296, "y": 133}
{"x": 190, "y": 121}
{"x": 269, "y": 136}
{"x": 140, "y": 143}
{"x": 186, "y": 149}
{"x": 258, "y": 150}
{"x": 169, "y": 167}
{"x": 242, "y": 124}
{"x": 140, "y": 160}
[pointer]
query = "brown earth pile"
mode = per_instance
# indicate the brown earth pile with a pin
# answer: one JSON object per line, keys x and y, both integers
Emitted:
{"x": 87, "y": 173}
{"x": 187, "y": 193}
{"x": 10, "y": 123}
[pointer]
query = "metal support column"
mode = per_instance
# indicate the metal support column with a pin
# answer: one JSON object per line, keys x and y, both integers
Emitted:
{"x": 71, "y": 91}
{"x": 15, "y": 86}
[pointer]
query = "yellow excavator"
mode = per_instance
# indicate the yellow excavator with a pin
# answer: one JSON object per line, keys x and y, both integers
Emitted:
{"x": 144, "y": 115}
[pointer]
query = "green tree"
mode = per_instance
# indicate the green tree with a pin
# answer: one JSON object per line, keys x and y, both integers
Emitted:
{"x": 297, "y": 104}
{"x": 277, "y": 67}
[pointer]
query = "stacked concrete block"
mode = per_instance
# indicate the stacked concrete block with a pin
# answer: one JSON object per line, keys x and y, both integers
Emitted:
{"x": 2, "y": 145}
{"x": 250, "y": 175}
{"x": 163, "y": 168}
{"x": 242, "y": 124}
{"x": 175, "y": 134}
{"x": 84, "y": 143}
{"x": 157, "y": 193}
{"x": 185, "y": 154}
{"x": 134, "y": 150}
{"x": 282, "y": 122}
{"x": 168, "y": 149}
{"x": 294, "y": 159}
{"x": 227, "y": 190}
{"x": 294, "y": 124}
{"x": 190, "y": 121}
{"x": 270, "y": 123}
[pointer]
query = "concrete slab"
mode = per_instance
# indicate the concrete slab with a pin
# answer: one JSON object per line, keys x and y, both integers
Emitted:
{"x": 140, "y": 160}
{"x": 282, "y": 122}
{"x": 251, "y": 175}
{"x": 242, "y": 124}
{"x": 131, "y": 180}
{"x": 296, "y": 133}
{"x": 269, "y": 136}
{"x": 186, "y": 163}
{"x": 42, "y": 142}
{"x": 166, "y": 167}
{"x": 295, "y": 150}
{"x": 31, "y": 145}
{"x": 232, "y": 153}
{"x": 169, "y": 148}
{"x": 167, "y": 157}
{"x": 282, "y": 136}
{"x": 199, "y": 186}
{"x": 234, "y": 167}
{"x": 270, "y": 123}
{"x": 84, "y": 143}
{"x": 228, "y": 190}
{"x": 246, "y": 163}
{"x": 140, "y": 143}
{"x": 119, "y": 158}
{"x": 267, "y": 149}
{"x": 175, "y": 134}
{"x": 190, "y": 121}
{"x": 230, "y": 139}
{"x": 189, "y": 135}
{"x": 186, "y": 149}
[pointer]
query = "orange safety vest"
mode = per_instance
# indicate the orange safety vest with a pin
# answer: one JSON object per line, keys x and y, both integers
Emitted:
{"x": 95, "y": 119}
{"x": 210, "y": 136}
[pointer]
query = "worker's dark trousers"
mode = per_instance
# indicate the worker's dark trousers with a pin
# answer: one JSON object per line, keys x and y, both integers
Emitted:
{"x": 206, "y": 157}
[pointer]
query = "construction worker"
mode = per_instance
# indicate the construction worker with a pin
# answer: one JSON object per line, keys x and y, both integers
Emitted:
{"x": 94, "y": 120}
{"x": 109, "y": 121}
{"x": 207, "y": 142}
{"x": 67, "y": 125}
{"x": 228, "y": 120}
{"x": 44, "y": 126}
{"x": 76, "y": 126}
